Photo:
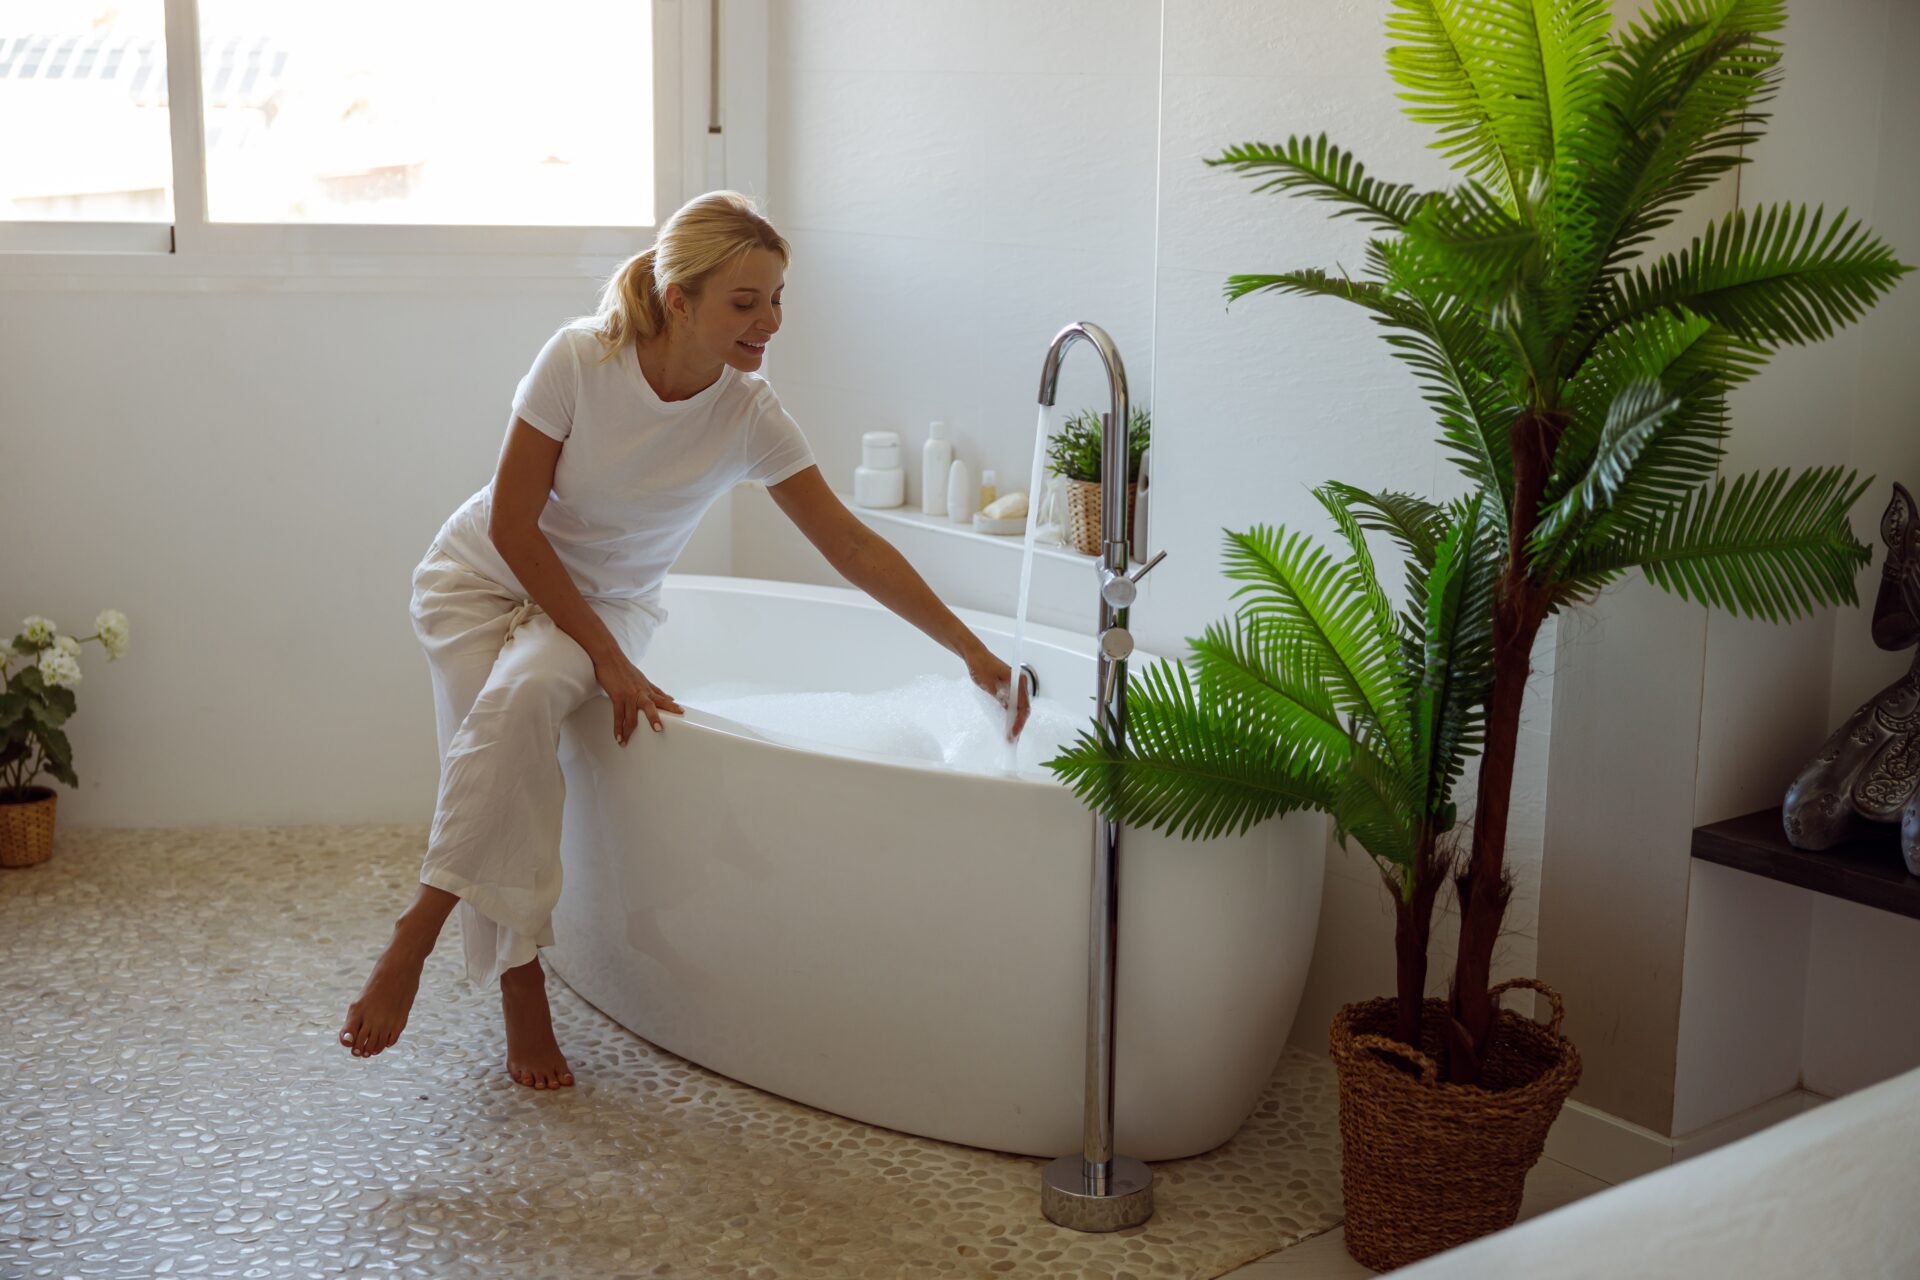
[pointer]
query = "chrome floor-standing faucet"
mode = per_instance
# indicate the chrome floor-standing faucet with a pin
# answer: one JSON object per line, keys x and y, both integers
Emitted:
{"x": 1096, "y": 1190}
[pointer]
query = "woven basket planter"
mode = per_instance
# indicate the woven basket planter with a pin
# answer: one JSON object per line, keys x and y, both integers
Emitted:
{"x": 1428, "y": 1165}
{"x": 26, "y": 828}
{"x": 1083, "y": 514}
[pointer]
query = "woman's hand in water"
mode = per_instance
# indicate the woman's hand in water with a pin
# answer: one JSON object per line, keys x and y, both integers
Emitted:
{"x": 632, "y": 694}
{"x": 993, "y": 675}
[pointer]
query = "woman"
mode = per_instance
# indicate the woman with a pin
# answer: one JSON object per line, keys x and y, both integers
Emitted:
{"x": 543, "y": 589}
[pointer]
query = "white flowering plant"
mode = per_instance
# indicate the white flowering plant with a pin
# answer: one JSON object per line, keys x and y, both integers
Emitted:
{"x": 37, "y": 698}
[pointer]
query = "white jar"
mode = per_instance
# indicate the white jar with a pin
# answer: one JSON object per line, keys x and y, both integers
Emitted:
{"x": 879, "y": 480}
{"x": 936, "y": 455}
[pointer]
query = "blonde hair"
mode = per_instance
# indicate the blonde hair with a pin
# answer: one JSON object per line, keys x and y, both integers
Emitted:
{"x": 705, "y": 234}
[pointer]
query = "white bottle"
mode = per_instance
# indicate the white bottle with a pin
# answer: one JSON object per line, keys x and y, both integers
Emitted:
{"x": 962, "y": 498}
{"x": 879, "y": 480}
{"x": 935, "y": 457}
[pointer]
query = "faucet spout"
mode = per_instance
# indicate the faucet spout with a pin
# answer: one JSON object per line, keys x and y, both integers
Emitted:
{"x": 1114, "y": 454}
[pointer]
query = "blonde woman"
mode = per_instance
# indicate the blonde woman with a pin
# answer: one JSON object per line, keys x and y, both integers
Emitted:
{"x": 543, "y": 589}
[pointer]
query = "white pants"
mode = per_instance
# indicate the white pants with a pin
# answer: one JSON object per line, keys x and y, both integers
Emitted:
{"x": 505, "y": 677}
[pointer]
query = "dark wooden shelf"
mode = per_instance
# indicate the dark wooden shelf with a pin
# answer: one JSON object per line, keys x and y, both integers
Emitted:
{"x": 1869, "y": 870}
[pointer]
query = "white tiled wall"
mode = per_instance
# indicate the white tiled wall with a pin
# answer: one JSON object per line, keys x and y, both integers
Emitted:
{"x": 959, "y": 180}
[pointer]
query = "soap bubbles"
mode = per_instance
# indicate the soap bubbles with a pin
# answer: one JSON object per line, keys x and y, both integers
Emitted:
{"x": 946, "y": 720}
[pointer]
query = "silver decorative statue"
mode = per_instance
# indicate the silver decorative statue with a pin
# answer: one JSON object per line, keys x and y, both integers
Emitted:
{"x": 1870, "y": 767}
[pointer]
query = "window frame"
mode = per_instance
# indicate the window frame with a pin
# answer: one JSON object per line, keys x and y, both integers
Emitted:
{"x": 48, "y": 252}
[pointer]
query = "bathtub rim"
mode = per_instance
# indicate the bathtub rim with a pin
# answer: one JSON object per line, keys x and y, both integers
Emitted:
{"x": 852, "y": 597}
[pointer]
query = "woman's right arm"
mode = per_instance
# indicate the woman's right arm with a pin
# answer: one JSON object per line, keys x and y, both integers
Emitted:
{"x": 520, "y": 489}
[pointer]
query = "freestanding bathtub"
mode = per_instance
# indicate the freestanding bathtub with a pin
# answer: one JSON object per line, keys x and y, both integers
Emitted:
{"x": 898, "y": 941}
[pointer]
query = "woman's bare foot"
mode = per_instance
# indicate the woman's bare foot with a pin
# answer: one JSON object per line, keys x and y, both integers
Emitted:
{"x": 533, "y": 1055}
{"x": 375, "y": 1020}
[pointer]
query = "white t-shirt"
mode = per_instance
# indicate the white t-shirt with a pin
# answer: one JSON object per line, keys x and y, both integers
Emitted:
{"x": 636, "y": 472}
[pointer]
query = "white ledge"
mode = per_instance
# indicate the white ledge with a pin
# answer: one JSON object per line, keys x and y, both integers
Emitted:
{"x": 914, "y": 518}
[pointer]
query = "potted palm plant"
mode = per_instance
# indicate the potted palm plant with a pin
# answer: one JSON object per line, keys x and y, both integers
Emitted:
{"x": 1074, "y": 452}
{"x": 1584, "y": 396}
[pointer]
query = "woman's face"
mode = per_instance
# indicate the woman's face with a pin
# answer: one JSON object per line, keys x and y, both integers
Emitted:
{"x": 738, "y": 311}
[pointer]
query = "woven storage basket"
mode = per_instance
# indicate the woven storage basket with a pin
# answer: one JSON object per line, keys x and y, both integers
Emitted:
{"x": 1428, "y": 1165}
{"x": 26, "y": 828}
{"x": 1083, "y": 514}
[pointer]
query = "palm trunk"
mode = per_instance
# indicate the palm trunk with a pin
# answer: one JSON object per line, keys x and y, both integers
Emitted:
{"x": 1519, "y": 609}
{"x": 1413, "y": 929}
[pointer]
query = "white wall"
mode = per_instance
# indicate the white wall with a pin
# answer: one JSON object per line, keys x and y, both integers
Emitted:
{"x": 250, "y": 469}
{"x": 959, "y": 181}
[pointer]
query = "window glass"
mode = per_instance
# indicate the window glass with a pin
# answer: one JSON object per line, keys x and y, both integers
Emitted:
{"x": 424, "y": 111}
{"x": 83, "y": 111}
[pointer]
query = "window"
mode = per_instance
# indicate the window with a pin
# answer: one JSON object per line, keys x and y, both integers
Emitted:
{"x": 85, "y": 119}
{"x": 345, "y": 126}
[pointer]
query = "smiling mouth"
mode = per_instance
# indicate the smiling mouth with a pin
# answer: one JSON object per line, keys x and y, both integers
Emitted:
{"x": 755, "y": 347}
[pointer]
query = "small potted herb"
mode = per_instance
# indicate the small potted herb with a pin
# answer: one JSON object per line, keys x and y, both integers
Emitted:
{"x": 1074, "y": 452}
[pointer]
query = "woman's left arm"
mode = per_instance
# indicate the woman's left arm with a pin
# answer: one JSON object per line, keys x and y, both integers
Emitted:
{"x": 876, "y": 566}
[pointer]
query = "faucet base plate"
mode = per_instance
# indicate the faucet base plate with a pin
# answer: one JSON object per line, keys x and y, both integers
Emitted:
{"x": 1067, "y": 1195}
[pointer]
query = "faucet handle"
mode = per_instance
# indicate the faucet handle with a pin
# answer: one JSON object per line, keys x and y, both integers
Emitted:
{"x": 1141, "y": 572}
{"x": 1121, "y": 589}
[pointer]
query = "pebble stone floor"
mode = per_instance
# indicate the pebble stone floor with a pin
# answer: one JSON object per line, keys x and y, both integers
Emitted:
{"x": 174, "y": 1102}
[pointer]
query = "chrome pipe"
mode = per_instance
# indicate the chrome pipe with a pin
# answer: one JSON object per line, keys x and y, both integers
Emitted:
{"x": 1097, "y": 1190}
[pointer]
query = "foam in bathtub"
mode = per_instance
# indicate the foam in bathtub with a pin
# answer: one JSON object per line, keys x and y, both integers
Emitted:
{"x": 946, "y": 719}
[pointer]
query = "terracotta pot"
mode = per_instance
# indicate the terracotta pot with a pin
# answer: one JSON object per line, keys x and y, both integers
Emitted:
{"x": 1428, "y": 1165}
{"x": 26, "y": 828}
{"x": 1083, "y": 514}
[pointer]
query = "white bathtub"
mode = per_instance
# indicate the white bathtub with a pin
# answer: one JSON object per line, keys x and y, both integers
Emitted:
{"x": 900, "y": 942}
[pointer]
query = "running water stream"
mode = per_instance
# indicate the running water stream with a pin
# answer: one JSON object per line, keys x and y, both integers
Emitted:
{"x": 1026, "y": 583}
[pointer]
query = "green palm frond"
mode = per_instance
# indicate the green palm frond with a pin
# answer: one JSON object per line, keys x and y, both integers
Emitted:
{"x": 1701, "y": 362}
{"x": 1679, "y": 94}
{"x": 1574, "y": 49}
{"x": 1378, "y": 804}
{"x": 1639, "y": 411}
{"x": 1316, "y": 283}
{"x": 1449, "y": 347}
{"x": 1280, "y": 675}
{"x": 1413, "y": 522}
{"x": 1417, "y": 526}
{"x": 1763, "y": 546}
{"x": 1199, "y": 769}
{"x": 1362, "y": 577}
{"x": 1302, "y": 593}
{"x": 1558, "y": 57}
{"x": 1465, "y": 244}
{"x": 1456, "y": 635}
{"x": 1475, "y": 412}
{"x": 1768, "y": 278}
{"x": 1314, "y": 167}
{"x": 1454, "y": 64}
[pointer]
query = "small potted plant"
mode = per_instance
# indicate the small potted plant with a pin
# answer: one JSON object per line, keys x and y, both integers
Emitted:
{"x": 1074, "y": 452}
{"x": 35, "y": 700}
{"x": 1585, "y": 398}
